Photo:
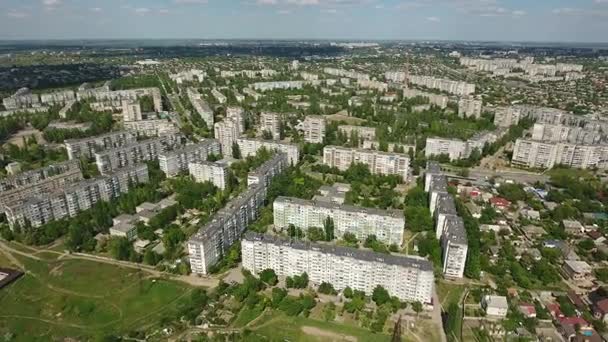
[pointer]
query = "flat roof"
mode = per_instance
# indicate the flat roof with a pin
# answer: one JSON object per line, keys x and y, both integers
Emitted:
{"x": 344, "y": 207}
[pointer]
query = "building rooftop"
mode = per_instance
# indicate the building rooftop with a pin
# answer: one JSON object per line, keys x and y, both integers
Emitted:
{"x": 446, "y": 205}
{"x": 439, "y": 183}
{"x": 455, "y": 231}
{"x": 344, "y": 207}
{"x": 578, "y": 266}
{"x": 496, "y": 302}
{"x": 403, "y": 261}
{"x": 433, "y": 167}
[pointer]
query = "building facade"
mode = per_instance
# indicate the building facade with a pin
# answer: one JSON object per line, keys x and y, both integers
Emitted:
{"x": 380, "y": 163}
{"x": 250, "y": 147}
{"x": 174, "y": 162}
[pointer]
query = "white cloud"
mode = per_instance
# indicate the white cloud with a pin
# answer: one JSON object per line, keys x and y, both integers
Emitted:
{"x": 142, "y": 10}
{"x": 434, "y": 19}
{"x": 51, "y": 2}
{"x": 190, "y": 2}
{"x": 96, "y": 9}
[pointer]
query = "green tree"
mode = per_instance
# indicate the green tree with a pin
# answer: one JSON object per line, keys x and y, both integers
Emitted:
{"x": 269, "y": 277}
{"x": 329, "y": 229}
{"x": 326, "y": 288}
{"x": 236, "y": 151}
{"x": 380, "y": 295}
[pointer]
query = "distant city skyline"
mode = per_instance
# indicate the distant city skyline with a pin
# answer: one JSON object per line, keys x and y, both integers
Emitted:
{"x": 486, "y": 20}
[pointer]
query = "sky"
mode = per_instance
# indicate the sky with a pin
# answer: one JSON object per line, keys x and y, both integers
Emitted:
{"x": 495, "y": 20}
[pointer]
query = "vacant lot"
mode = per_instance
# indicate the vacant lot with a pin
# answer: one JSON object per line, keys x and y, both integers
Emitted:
{"x": 83, "y": 299}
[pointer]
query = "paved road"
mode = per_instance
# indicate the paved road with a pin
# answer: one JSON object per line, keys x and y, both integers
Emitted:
{"x": 436, "y": 315}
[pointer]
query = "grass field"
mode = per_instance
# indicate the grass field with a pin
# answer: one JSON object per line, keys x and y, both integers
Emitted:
{"x": 276, "y": 326}
{"x": 83, "y": 299}
{"x": 449, "y": 293}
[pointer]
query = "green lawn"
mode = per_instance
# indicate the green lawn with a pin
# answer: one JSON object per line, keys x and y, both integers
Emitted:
{"x": 449, "y": 293}
{"x": 83, "y": 299}
{"x": 276, "y": 326}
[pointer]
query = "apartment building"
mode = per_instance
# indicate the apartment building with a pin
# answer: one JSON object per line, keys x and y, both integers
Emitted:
{"x": 267, "y": 171}
{"x": 438, "y": 185}
{"x": 469, "y": 107}
{"x": 206, "y": 171}
{"x": 448, "y": 86}
{"x": 192, "y": 75}
{"x": 227, "y": 132}
{"x": 395, "y": 76}
{"x": 250, "y": 147}
{"x": 87, "y": 147}
{"x": 454, "y": 247}
{"x": 380, "y": 163}
{"x": 264, "y": 86}
{"x": 440, "y": 101}
{"x": 152, "y": 128}
{"x": 132, "y": 154}
{"x": 313, "y": 128}
{"x": 219, "y": 96}
{"x": 200, "y": 106}
{"x": 74, "y": 198}
{"x": 212, "y": 241}
{"x": 407, "y": 278}
{"x": 252, "y": 93}
{"x": 13, "y": 190}
{"x": 432, "y": 169}
{"x": 23, "y": 98}
{"x": 455, "y": 149}
{"x": 362, "y": 132}
{"x": 271, "y": 122}
{"x": 444, "y": 209}
{"x": 562, "y": 133}
{"x": 386, "y": 225}
{"x": 131, "y": 111}
{"x": 346, "y": 73}
{"x": 27, "y": 178}
{"x": 60, "y": 97}
{"x": 507, "y": 116}
{"x": 377, "y": 85}
{"x": 114, "y": 99}
{"x": 174, "y": 162}
{"x": 538, "y": 154}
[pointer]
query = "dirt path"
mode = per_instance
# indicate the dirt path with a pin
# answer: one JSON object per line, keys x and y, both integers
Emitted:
{"x": 327, "y": 335}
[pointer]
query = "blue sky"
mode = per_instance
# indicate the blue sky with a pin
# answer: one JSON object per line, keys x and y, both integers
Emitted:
{"x": 515, "y": 20}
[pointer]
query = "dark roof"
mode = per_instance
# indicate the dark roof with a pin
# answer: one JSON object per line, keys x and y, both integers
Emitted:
{"x": 439, "y": 183}
{"x": 433, "y": 167}
{"x": 455, "y": 231}
{"x": 8, "y": 275}
{"x": 403, "y": 261}
{"x": 446, "y": 205}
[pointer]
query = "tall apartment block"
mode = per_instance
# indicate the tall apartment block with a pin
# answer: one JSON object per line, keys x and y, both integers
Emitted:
{"x": 454, "y": 247}
{"x": 267, "y": 171}
{"x": 131, "y": 111}
{"x": 201, "y": 107}
{"x": 507, "y": 116}
{"x": 212, "y": 241}
{"x": 219, "y": 97}
{"x": 313, "y": 128}
{"x": 407, "y": 278}
{"x": 469, "y": 107}
{"x": 87, "y": 147}
{"x": 440, "y": 101}
{"x": 386, "y": 225}
{"x": 563, "y": 133}
{"x": 454, "y": 148}
{"x": 176, "y": 161}
{"x": 250, "y": 147}
{"x": 438, "y": 185}
{"x": 395, "y": 76}
{"x": 263, "y": 86}
{"x": 448, "y": 86}
{"x": 132, "y": 154}
{"x": 206, "y": 171}
{"x": 115, "y": 99}
{"x": 432, "y": 169}
{"x": 30, "y": 183}
{"x": 346, "y": 73}
{"x": 76, "y": 197}
{"x": 445, "y": 208}
{"x": 538, "y": 154}
{"x": 380, "y": 163}
{"x": 152, "y": 127}
{"x": 365, "y": 133}
{"x": 230, "y": 129}
{"x": 271, "y": 122}
{"x": 23, "y": 98}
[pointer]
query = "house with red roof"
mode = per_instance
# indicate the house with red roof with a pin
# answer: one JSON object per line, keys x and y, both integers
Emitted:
{"x": 527, "y": 309}
{"x": 499, "y": 203}
{"x": 555, "y": 310}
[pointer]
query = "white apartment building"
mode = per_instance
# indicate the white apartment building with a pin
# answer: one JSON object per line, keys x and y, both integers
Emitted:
{"x": 313, "y": 128}
{"x": 507, "y": 116}
{"x": 562, "y": 133}
{"x": 152, "y": 128}
{"x": 212, "y": 241}
{"x": 444, "y": 209}
{"x": 538, "y": 154}
{"x": 267, "y": 171}
{"x": 432, "y": 169}
{"x": 362, "y": 132}
{"x": 454, "y": 247}
{"x": 86, "y": 148}
{"x": 250, "y": 147}
{"x": 114, "y": 99}
{"x": 219, "y": 97}
{"x": 131, "y": 111}
{"x": 176, "y": 161}
{"x": 448, "y": 86}
{"x": 438, "y": 186}
{"x": 391, "y": 147}
{"x": 192, "y": 75}
{"x": 407, "y": 278}
{"x": 440, "y": 101}
{"x": 132, "y": 154}
{"x": 206, "y": 171}
{"x": 455, "y": 149}
{"x": 380, "y": 163}
{"x": 23, "y": 98}
{"x": 200, "y": 106}
{"x": 58, "y": 97}
{"x": 68, "y": 201}
{"x": 395, "y": 76}
{"x": 469, "y": 107}
{"x": 252, "y": 93}
{"x": 377, "y": 85}
{"x": 227, "y": 132}
{"x": 271, "y": 122}
{"x": 264, "y": 86}
{"x": 386, "y": 225}
{"x": 346, "y": 73}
